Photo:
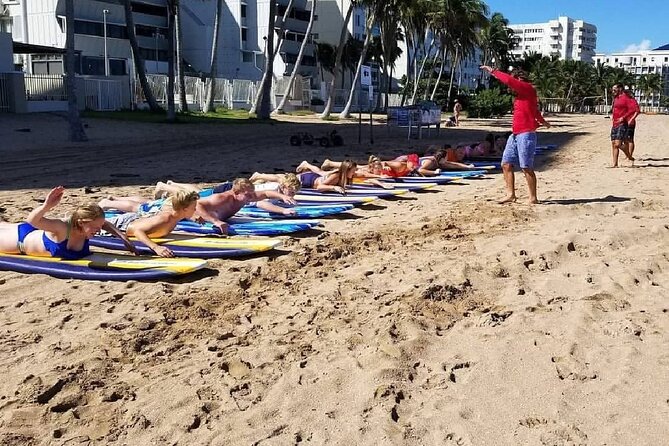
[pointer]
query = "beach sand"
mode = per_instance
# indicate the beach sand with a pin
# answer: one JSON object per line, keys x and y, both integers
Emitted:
{"x": 441, "y": 318}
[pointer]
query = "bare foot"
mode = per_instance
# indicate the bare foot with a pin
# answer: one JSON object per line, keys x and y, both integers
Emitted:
{"x": 612, "y": 167}
{"x": 511, "y": 199}
{"x": 327, "y": 164}
{"x": 302, "y": 167}
{"x": 534, "y": 201}
{"x": 254, "y": 177}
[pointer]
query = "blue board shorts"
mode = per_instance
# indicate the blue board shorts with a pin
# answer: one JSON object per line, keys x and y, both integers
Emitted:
{"x": 520, "y": 150}
{"x": 619, "y": 133}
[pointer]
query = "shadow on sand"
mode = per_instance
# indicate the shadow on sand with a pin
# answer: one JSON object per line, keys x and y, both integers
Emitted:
{"x": 607, "y": 199}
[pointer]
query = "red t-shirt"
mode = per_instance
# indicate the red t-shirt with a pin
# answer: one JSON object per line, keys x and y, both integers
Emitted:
{"x": 623, "y": 107}
{"x": 526, "y": 115}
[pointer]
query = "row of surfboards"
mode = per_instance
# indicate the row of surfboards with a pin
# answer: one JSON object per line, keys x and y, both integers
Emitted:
{"x": 193, "y": 243}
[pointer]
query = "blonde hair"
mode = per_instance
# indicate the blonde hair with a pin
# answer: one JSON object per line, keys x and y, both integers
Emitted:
{"x": 345, "y": 166}
{"x": 182, "y": 199}
{"x": 241, "y": 185}
{"x": 86, "y": 214}
{"x": 291, "y": 180}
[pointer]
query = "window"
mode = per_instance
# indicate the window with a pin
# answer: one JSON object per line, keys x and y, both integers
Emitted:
{"x": 315, "y": 36}
{"x": 244, "y": 34}
{"x": 97, "y": 29}
{"x": 153, "y": 54}
{"x": 243, "y": 10}
{"x": 143, "y": 8}
{"x": 643, "y": 60}
{"x": 247, "y": 57}
{"x": 150, "y": 31}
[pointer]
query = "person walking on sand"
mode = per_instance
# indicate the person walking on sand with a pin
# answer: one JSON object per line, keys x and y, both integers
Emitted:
{"x": 522, "y": 143}
{"x": 624, "y": 111}
{"x": 631, "y": 124}
{"x": 457, "y": 108}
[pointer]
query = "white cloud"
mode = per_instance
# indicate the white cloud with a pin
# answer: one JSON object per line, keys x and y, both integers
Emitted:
{"x": 633, "y": 48}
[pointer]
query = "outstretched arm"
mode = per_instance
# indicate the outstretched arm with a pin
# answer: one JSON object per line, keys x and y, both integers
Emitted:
{"x": 270, "y": 207}
{"x": 141, "y": 229}
{"x": 205, "y": 213}
{"x": 113, "y": 230}
{"x": 274, "y": 195}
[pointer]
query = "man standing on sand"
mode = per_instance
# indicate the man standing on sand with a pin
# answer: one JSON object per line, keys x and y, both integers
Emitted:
{"x": 457, "y": 108}
{"x": 631, "y": 124}
{"x": 522, "y": 143}
{"x": 624, "y": 110}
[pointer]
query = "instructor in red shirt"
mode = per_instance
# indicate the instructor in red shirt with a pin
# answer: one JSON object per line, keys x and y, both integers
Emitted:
{"x": 624, "y": 112}
{"x": 522, "y": 143}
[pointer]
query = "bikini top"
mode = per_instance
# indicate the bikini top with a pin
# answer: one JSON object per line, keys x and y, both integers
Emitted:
{"x": 61, "y": 250}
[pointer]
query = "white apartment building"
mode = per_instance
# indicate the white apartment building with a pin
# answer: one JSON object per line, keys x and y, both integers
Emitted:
{"x": 243, "y": 35}
{"x": 564, "y": 37}
{"x": 642, "y": 62}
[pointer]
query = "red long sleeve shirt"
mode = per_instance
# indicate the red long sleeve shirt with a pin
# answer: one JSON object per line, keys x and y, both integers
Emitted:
{"x": 526, "y": 115}
{"x": 623, "y": 107}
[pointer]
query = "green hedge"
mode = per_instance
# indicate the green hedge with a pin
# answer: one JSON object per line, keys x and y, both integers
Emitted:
{"x": 489, "y": 103}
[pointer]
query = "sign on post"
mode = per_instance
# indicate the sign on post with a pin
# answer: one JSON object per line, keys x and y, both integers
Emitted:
{"x": 366, "y": 75}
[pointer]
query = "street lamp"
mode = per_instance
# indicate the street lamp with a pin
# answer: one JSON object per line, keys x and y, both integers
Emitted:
{"x": 104, "y": 24}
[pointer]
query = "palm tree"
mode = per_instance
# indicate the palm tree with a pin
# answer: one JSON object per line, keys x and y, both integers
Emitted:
{"x": 371, "y": 11}
{"x": 172, "y": 6}
{"x": 274, "y": 50}
{"x": 413, "y": 15}
{"x": 265, "y": 102}
{"x": 650, "y": 84}
{"x": 213, "y": 66}
{"x": 325, "y": 56}
{"x": 300, "y": 55}
{"x": 340, "y": 49}
{"x": 391, "y": 34}
{"x": 183, "y": 103}
{"x": 138, "y": 60}
{"x": 77, "y": 133}
{"x": 461, "y": 21}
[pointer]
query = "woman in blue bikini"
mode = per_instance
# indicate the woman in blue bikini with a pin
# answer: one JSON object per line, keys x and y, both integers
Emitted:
{"x": 49, "y": 237}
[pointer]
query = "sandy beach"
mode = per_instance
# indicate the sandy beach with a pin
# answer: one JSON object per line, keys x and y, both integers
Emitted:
{"x": 436, "y": 318}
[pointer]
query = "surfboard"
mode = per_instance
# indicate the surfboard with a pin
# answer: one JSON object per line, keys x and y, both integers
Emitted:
{"x": 463, "y": 173}
{"x": 353, "y": 192}
{"x": 361, "y": 184}
{"x": 329, "y": 199}
{"x": 314, "y": 210}
{"x": 99, "y": 266}
{"x": 433, "y": 180}
{"x": 239, "y": 226}
{"x": 194, "y": 246}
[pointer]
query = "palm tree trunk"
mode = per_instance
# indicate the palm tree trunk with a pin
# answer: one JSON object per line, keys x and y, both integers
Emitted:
{"x": 346, "y": 112}
{"x": 274, "y": 51}
{"x": 138, "y": 60}
{"x": 183, "y": 104}
{"x": 298, "y": 62}
{"x": 282, "y": 27}
{"x": 340, "y": 50}
{"x": 77, "y": 133}
{"x": 265, "y": 106}
{"x": 213, "y": 66}
{"x": 441, "y": 71}
{"x": 431, "y": 73}
{"x": 450, "y": 86}
{"x": 420, "y": 72}
{"x": 171, "y": 14}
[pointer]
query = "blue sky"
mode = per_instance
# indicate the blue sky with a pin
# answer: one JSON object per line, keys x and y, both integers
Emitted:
{"x": 621, "y": 24}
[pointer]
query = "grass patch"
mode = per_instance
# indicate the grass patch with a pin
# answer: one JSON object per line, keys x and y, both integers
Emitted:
{"x": 301, "y": 113}
{"x": 220, "y": 116}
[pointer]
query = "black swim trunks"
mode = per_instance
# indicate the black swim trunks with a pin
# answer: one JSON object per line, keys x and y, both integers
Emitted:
{"x": 630, "y": 133}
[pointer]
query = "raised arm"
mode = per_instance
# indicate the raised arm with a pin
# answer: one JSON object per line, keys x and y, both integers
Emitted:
{"x": 38, "y": 220}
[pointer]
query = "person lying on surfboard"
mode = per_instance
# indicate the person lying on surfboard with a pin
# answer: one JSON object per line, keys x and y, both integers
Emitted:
{"x": 51, "y": 237}
{"x": 157, "y": 221}
{"x": 283, "y": 190}
{"x": 370, "y": 172}
{"x": 215, "y": 208}
{"x": 311, "y": 176}
{"x": 432, "y": 165}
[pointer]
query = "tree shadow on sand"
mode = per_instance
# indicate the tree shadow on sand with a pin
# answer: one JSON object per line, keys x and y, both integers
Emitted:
{"x": 607, "y": 199}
